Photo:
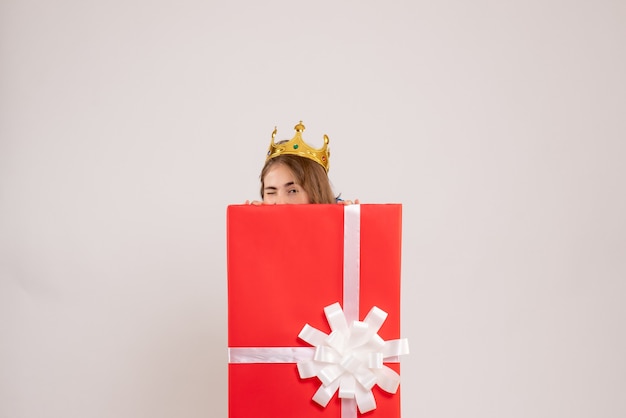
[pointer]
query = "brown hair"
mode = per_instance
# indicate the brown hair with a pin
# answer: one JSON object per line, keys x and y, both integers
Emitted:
{"x": 309, "y": 175}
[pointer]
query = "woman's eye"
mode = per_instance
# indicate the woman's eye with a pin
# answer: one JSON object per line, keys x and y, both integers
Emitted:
{"x": 293, "y": 191}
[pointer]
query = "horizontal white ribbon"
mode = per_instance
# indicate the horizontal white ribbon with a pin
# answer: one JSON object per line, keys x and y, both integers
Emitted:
{"x": 269, "y": 354}
{"x": 250, "y": 355}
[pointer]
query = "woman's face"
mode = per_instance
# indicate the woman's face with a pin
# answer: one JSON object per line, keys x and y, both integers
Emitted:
{"x": 280, "y": 187}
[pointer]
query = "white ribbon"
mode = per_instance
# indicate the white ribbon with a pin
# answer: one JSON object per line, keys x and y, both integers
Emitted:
{"x": 351, "y": 261}
{"x": 350, "y": 359}
{"x": 269, "y": 354}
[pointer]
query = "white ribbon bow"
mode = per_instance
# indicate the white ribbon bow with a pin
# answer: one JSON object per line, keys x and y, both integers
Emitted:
{"x": 350, "y": 359}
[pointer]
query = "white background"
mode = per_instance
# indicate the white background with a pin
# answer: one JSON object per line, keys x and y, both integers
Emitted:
{"x": 127, "y": 127}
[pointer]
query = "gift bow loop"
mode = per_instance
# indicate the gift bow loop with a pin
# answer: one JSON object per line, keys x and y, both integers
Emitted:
{"x": 350, "y": 358}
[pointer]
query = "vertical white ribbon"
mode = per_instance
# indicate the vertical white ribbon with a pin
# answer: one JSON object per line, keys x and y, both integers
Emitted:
{"x": 351, "y": 261}
{"x": 351, "y": 280}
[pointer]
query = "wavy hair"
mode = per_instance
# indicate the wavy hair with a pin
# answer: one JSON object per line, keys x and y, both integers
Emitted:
{"x": 308, "y": 174}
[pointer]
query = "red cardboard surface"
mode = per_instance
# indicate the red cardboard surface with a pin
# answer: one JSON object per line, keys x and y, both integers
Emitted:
{"x": 285, "y": 264}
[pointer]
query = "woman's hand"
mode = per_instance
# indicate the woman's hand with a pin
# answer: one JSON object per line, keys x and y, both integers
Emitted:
{"x": 348, "y": 202}
{"x": 254, "y": 202}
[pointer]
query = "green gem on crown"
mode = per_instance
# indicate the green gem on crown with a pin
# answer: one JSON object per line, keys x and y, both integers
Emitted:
{"x": 295, "y": 146}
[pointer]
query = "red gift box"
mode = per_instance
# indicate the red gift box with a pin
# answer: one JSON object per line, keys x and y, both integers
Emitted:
{"x": 285, "y": 265}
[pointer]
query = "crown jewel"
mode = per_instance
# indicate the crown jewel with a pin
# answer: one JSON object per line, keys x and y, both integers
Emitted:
{"x": 297, "y": 146}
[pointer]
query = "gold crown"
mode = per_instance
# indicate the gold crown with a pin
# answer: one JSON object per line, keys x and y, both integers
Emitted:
{"x": 297, "y": 146}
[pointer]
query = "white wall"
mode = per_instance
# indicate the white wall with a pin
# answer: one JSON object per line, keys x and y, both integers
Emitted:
{"x": 127, "y": 127}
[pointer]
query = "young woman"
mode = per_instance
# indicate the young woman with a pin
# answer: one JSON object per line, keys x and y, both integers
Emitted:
{"x": 295, "y": 173}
